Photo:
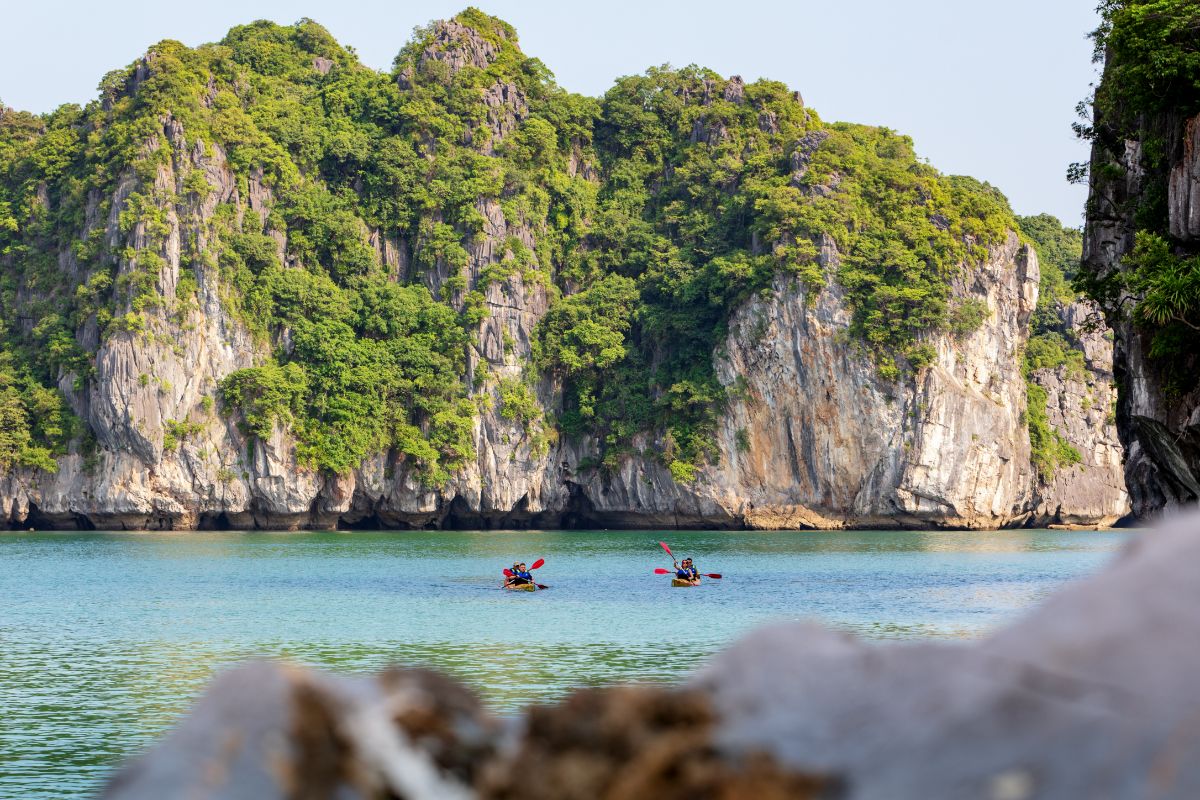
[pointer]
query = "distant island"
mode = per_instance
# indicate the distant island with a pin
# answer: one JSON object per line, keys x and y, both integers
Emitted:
{"x": 257, "y": 284}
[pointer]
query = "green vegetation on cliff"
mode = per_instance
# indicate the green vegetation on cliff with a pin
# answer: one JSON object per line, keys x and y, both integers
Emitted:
{"x": 1152, "y": 59}
{"x": 711, "y": 190}
{"x": 35, "y": 341}
{"x": 1151, "y": 85}
{"x": 356, "y": 245}
{"x": 1051, "y": 345}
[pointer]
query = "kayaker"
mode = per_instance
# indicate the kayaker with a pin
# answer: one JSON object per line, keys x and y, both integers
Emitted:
{"x": 520, "y": 574}
{"x": 687, "y": 571}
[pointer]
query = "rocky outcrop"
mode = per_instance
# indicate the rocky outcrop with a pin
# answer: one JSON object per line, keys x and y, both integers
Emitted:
{"x": 506, "y": 485}
{"x": 268, "y": 730}
{"x": 813, "y": 436}
{"x": 1081, "y": 406}
{"x": 158, "y": 380}
{"x": 150, "y": 384}
{"x": 1159, "y": 425}
{"x": 946, "y": 448}
{"x": 1090, "y": 695}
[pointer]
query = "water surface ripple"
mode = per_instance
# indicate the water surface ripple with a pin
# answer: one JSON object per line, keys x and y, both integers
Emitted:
{"x": 105, "y": 638}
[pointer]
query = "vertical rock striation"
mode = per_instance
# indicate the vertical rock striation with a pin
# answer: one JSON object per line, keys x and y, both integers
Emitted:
{"x": 1081, "y": 406}
{"x": 816, "y": 438}
{"x": 1158, "y": 419}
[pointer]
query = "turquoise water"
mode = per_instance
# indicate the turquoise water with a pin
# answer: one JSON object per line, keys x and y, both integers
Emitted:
{"x": 105, "y": 638}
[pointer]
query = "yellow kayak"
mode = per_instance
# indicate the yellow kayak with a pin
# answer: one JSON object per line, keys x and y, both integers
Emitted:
{"x": 682, "y": 582}
{"x": 521, "y": 587}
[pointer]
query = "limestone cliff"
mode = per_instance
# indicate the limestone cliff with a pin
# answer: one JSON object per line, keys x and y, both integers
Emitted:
{"x": 814, "y": 434}
{"x": 815, "y": 438}
{"x": 1141, "y": 242}
{"x": 1155, "y": 421}
{"x": 1081, "y": 407}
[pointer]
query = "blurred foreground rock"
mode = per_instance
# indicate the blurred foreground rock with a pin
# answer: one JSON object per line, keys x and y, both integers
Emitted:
{"x": 1093, "y": 695}
{"x": 269, "y": 730}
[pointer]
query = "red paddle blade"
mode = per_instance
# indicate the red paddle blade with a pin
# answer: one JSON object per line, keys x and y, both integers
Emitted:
{"x": 664, "y": 547}
{"x": 508, "y": 573}
{"x": 661, "y": 571}
{"x": 716, "y": 575}
{"x": 537, "y": 563}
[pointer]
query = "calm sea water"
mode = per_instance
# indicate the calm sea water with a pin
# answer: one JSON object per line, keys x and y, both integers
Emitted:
{"x": 106, "y": 638}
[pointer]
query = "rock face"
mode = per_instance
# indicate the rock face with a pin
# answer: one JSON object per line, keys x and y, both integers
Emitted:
{"x": 1082, "y": 408}
{"x": 817, "y": 439}
{"x": 1158, "y": 424}
{"x": 847, "y": 448}
{"x": 814, "y": 439}
{"x": 1183, "y": 188}
{"x": 1090, "y": 695}
{"x": 147, "y": 382}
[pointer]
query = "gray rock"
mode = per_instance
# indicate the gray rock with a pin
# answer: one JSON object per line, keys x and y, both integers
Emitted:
{"x": 268, "y": 730}
{"x": 1183, "y": 187}
{"x": 457, "y": 46}
{"x": 735, "y": 90}
{"x": 1081, "y": 408}
{"x": 1091, "y": 695}
{"x": 1155, "y": 420}
{"x": 830, "y": 444}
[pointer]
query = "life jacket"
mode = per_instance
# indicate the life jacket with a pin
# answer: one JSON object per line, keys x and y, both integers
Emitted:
{"x": 523, "y": 576}
{"x": 687, "y": 573}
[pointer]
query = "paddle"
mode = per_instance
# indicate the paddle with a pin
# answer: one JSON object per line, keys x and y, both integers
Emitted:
{"x": 661, "y": 571}
{"x": 538, "y": 565}
{"x": 715, "y": 575}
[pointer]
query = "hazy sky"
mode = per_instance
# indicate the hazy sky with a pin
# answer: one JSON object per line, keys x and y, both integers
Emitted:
{"x": 984, "y": 88}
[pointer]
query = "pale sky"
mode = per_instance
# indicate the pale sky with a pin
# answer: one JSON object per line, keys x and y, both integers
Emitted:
{"x": 984, "y": 88}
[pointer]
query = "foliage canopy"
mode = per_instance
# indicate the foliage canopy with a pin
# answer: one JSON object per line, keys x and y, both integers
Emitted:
{"x": 649, "y": 215}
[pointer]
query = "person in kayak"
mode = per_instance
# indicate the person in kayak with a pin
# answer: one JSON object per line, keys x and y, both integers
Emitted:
{"x": 520, "y": 575}
{"x": 687, "y": 571}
